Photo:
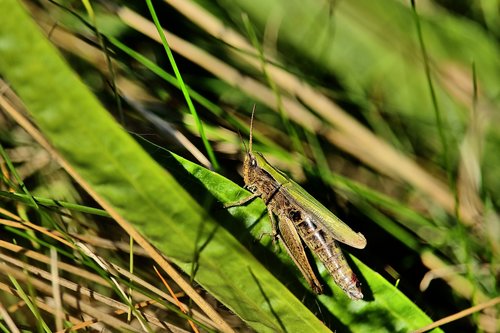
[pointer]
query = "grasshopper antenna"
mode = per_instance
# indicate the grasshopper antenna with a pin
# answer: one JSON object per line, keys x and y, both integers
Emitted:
{"x": 251, "y": 130}
{"x": 243, "y": 141}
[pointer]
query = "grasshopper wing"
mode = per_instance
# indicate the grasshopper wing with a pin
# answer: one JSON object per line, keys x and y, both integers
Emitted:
{"x": 323, "y": 217}
{"x": 315, "y": 210}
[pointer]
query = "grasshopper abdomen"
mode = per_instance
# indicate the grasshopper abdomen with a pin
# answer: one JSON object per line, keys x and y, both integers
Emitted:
{"x": 321, "y": 243}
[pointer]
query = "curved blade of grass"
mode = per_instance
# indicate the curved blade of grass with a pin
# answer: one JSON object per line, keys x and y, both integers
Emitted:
{"x": 31, "y": 305}
{"x": 125, "y": 180}
{"x": 34, "y": 201}
{"x": 383, "y": 299}
{"x": 183, "y": 87}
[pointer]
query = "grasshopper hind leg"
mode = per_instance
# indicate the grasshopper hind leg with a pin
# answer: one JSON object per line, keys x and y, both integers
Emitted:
{"x": 295, "y": 248}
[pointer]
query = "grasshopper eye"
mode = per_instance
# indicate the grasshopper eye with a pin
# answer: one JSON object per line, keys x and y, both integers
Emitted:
{"x": 253, "y": 162}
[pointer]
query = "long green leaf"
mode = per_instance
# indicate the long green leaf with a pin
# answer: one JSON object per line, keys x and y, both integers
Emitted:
{"x": 381, "y": 298}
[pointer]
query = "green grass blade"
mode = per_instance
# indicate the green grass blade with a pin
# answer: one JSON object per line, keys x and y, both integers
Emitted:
{"x": 184, "y": 89}
{"x": 432, "y": 91}
{"x": 400, "y": 314}
{"x": 27, "y": 199}
{"x": 31, "y": 306}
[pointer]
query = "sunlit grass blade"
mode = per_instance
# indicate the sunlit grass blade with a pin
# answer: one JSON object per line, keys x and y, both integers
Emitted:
{"x": 183, "y": 87}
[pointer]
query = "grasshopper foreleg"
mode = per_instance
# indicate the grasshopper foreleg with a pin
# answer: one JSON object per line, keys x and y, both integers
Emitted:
{"x": 242, "y": 201}
{"x": 274, "y": 225}
{"x": 274, "y": 229}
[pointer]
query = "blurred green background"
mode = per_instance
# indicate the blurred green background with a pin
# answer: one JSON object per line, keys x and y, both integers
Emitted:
{"x": 385, "y": 113}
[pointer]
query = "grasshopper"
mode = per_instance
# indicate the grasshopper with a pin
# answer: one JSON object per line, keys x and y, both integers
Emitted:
{"x": 301, "y": 217}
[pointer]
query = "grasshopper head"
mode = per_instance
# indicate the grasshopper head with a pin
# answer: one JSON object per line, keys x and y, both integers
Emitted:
{"x": 250, "y": 166}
